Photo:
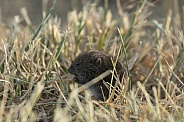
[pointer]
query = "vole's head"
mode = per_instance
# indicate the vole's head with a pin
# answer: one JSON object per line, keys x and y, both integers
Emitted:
{"x": 87, "y": 66}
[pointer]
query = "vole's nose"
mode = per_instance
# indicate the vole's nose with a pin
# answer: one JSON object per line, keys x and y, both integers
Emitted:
{"x": 71, "y": 70}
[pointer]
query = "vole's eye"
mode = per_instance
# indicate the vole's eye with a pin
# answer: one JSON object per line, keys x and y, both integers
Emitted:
{"x": 77, "y": 64}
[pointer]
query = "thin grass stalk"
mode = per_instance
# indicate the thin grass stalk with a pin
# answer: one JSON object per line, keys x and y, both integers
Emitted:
{"x": 41, "y": 25}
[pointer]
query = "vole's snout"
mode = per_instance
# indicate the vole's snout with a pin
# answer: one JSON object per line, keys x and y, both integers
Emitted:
{"x": 71, "y": 70}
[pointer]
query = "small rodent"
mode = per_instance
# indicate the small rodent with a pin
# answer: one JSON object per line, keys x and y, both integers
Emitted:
{"x": 89, "y": 65}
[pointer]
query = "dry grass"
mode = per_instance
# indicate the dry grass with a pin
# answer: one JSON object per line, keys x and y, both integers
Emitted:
{"x": 35, "y": 84}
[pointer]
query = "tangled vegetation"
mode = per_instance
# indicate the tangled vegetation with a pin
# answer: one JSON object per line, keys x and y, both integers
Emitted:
{"x": 36, "y": 86}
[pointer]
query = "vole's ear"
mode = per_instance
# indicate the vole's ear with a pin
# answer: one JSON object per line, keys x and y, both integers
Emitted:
{"x": 98, "y": 61}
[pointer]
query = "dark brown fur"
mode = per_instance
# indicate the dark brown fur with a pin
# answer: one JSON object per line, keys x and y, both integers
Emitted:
{"x": 91, "y": 64}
